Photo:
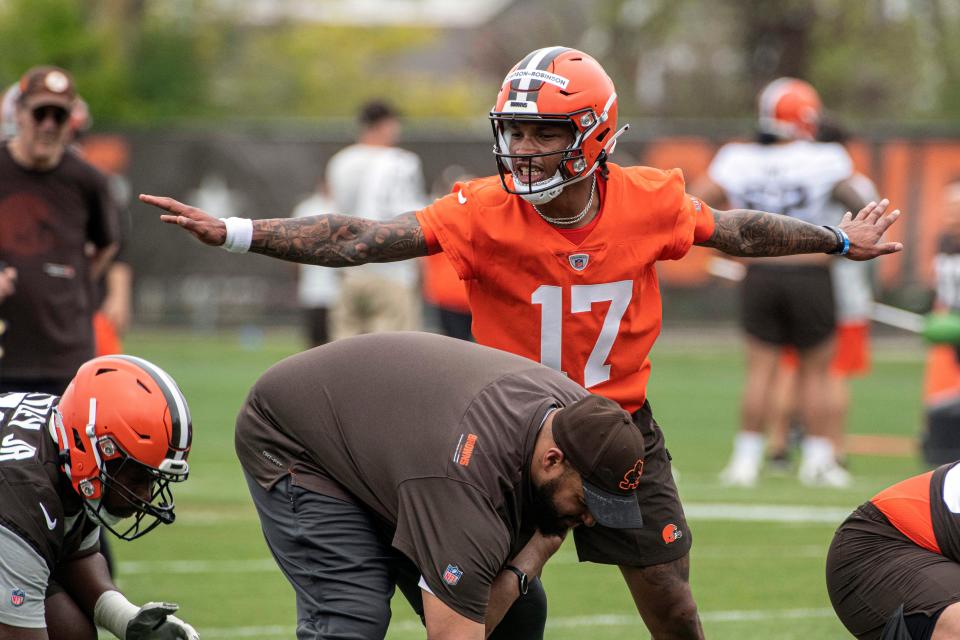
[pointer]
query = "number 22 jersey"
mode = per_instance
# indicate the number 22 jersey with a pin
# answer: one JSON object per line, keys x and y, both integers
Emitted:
{"x": 589, "y": 306}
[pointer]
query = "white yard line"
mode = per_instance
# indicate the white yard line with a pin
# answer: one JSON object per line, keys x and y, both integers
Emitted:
{"x": 726, "y": 512}
{"x": 555, "y": 622}
{"x": 738, "y": 512}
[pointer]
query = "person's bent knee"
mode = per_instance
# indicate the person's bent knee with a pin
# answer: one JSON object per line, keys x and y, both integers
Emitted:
{"x": 343, "y": 627}
{"x": 526, "y": 619}
{"x": 948, "y": 624}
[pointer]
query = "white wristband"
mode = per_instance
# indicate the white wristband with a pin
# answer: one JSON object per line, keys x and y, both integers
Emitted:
{"x": 114, "y": 612}
{"x": 239, "y": 234}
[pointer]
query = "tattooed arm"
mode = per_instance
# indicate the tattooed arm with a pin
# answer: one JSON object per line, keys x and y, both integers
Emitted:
{"x": 329, "y": 240}
{"x": 757, "y": 234}
{"x": 339, "y": 241}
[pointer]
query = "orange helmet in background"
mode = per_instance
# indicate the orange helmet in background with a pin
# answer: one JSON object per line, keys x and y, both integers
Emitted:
{"x": 556, "y": 85}
{"x": 121, "y": 411}
{"x": 789, "y": 108}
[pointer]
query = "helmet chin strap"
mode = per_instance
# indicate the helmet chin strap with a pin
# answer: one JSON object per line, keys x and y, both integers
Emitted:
{"x": 100, "y": 512}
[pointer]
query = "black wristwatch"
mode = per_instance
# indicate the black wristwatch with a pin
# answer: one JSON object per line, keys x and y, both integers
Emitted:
{"x": 521, "y": 578}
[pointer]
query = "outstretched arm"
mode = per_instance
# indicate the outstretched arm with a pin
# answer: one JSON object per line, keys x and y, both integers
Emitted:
{"x": 329, "y": 240}
{"x": 757, "y": 234}
{"x": 339, "y": 241}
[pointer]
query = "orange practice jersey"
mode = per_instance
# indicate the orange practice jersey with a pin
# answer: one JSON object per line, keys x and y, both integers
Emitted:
{"x": 926, "y": 509}
{"x": 591, "y": 310}
{"x": 907, "y": 507}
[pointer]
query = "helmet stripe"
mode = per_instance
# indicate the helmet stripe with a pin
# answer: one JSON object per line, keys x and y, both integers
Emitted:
{"x": 526, "y": 88}
{"x": 771, "y": 96}
{"x": 176, "y": 402}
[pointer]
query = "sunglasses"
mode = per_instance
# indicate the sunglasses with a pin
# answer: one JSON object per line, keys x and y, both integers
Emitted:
{"x": 59, "y": 114}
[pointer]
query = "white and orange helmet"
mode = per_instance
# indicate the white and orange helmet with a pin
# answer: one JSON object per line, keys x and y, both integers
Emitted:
{"x": 117, "y": 411}
{"x": 789, "y": 108}
{"x": 558, "y": 85}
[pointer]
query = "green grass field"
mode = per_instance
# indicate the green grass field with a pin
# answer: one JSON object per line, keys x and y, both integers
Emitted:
{"x": 754, "y": 574}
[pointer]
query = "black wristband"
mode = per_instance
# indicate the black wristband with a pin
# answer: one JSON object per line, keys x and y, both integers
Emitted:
{"x": 522, "y": 580}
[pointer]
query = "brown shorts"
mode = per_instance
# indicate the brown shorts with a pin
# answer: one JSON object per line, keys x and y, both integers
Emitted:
{"x": 872, "y": 568}
{"x": 788, "y": 304}
{"x": 665, "y": 536}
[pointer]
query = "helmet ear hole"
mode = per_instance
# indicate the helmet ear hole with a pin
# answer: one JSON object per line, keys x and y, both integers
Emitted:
{"x": 78, "y": 441}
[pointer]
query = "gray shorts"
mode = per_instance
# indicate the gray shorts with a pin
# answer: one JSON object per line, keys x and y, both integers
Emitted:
{"x": 23, "y": 583}
{"x": 338, "y": 559}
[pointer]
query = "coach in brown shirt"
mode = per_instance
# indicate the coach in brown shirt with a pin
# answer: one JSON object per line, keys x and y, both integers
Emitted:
{"x": 58, "y": 233}
{"x": 406, "y": 458}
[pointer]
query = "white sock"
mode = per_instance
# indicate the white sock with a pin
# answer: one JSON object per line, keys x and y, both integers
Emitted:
{"x": 748, "y": 448}
{"x": 817, "y": 450}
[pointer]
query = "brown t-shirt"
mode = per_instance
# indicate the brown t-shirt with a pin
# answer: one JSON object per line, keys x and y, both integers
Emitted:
{"x": 46, "y": 218}
{"x": 433, "y": 435}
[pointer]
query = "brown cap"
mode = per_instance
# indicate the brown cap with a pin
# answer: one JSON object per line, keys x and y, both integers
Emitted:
{"x": 601, "y": 442}
{"x": 47, "y": 85}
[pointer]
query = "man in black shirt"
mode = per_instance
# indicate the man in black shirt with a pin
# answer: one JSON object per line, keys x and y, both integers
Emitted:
{"x": 59, "y": 234}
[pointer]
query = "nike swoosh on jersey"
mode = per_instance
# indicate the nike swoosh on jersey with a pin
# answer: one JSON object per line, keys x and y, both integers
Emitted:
{"x": 51, "y": 523}
{"x": 462, "y": 199}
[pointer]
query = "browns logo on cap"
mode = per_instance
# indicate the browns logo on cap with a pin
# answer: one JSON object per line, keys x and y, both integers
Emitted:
{"x": 47, "y": 85}
{"x": 601, "y": 442}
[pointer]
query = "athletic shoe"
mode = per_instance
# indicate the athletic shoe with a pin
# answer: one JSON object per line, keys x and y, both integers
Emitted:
{"x": 740, "y": 473}
{"x": 827, "y": 474}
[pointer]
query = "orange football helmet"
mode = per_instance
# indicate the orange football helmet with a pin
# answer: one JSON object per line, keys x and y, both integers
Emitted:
{"x": 789, "y": 108}
{"x": 561, "y": 85}
{"x": 124, "y": 416}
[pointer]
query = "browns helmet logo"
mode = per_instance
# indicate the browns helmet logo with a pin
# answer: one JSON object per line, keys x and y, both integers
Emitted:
{"x": 632, "y": 477}
{"x": 671, "y": 533}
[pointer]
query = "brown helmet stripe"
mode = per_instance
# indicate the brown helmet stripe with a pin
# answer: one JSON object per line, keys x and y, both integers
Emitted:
{"x": 539, "y": 60}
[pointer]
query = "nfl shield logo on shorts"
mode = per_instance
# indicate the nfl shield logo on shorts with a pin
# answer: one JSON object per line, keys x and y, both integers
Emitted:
{"x": 17, "y": 597}
{"x": 452, "y": 575}
{"x": 579, "y": 261}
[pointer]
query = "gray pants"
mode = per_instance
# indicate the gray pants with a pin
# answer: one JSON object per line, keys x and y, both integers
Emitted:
{"x": 338, "y": 558}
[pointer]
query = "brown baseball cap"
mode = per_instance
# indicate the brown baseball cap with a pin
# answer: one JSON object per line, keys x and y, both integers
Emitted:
{"x": 601, "y": 442}
{"x": 47, "y": 85}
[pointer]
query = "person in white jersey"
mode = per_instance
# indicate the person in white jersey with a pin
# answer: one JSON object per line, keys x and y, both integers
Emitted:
{"x": 786, "y": 301}
{"x": 375, "y": 179}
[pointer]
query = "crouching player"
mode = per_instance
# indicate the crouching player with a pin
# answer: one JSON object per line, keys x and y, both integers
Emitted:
{"x": 103, "y": 455}
{"x": 893, "y": 569}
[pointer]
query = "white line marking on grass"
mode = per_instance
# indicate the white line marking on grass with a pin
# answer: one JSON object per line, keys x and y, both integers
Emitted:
{"x": 723, "y": 512}
{"x": 736, "y": 512}
{"x": 198, "y": 566}
{"x": 267, "y": 565}
{"x": 557, "y": 622}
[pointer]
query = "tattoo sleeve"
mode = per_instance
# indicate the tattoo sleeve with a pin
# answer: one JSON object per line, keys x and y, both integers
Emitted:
{"x": 757, "y": 234}
{"x": 339, "y": 241}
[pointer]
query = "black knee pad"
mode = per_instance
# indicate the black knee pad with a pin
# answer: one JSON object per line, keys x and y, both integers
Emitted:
{"x": 896, "y": 627}
{"x": 527, "y": 618}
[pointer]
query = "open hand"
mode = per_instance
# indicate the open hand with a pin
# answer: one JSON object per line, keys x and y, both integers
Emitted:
{"x": 866, "y": 230}
{"x": 204, "y": 227}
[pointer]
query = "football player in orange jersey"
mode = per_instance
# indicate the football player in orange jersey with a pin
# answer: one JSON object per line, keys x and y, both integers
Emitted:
{"x": 559, "y": 255}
